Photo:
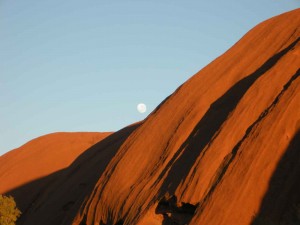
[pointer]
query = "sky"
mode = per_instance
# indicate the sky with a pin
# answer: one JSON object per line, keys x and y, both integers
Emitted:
{"x": 85, "y": 65}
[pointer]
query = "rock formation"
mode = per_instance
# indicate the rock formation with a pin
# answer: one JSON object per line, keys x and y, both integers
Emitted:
{"x": 221, "y": 150}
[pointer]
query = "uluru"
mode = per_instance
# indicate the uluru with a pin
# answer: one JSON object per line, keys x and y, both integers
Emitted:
{"x": 222, "y": 149}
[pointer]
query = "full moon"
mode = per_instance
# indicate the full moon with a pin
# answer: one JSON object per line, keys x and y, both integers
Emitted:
{"x": 141, "y": 108}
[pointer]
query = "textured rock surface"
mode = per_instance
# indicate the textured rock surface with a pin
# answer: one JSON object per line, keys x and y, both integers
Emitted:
{"x": 43, "y": 156}
{"x": 215, "y": 143}
{"x": 220, "y": 150}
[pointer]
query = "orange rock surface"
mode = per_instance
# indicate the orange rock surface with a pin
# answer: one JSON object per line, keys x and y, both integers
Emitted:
{"x": 221, "y": 150}
{"x": 43, "y": 156}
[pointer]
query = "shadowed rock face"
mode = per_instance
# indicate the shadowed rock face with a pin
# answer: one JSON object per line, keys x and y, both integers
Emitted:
{"x": 43, "y": 156}
{"x": 28, "y": 170}
{"x": 214, "y": 152}
{"x": 58, "y": 196}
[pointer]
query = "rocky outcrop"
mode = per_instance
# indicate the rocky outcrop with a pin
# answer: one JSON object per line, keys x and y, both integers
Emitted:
{"x": 221, "y": 150}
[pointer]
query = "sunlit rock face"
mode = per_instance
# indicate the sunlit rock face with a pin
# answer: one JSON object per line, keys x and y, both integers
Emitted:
{"x": 223, "y": 149}
{"x": 210, "y": 154}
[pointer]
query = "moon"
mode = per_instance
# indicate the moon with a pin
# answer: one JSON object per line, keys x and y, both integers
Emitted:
{"x": 141, "y": 108}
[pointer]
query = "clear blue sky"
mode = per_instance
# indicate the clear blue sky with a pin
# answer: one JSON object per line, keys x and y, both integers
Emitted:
{"x": 84, "y": 65}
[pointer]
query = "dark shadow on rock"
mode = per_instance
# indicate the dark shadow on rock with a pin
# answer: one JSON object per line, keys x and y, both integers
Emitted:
{"x": 57, "y": 198}
{"x": 120, "y": 222}
{"x": 208, "y": 127}
{"x": 284, "y": 188}
{"x": 175, "y": 213}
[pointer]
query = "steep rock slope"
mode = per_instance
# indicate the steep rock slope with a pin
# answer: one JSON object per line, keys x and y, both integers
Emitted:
{"x": 208, "y": 153}
{"x": 57, "y": 197}
{"x": 220, "y": 150}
